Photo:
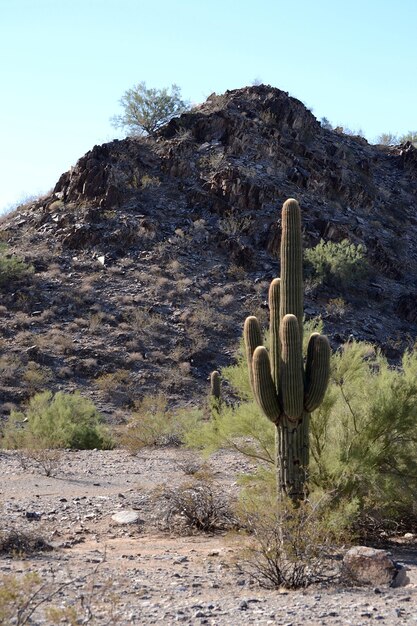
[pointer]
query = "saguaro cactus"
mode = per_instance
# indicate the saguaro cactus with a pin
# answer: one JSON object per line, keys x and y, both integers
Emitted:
{"x": 286, "y": 391}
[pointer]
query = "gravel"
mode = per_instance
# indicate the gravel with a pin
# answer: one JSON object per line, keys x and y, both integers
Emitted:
{"x": 133, "y": 573}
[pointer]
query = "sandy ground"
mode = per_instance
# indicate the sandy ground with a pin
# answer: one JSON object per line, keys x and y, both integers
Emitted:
{"x": 138, "y": 573}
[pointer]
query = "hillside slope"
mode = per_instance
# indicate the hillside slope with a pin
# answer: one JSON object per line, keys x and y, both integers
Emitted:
{"x": 150, "y": 252}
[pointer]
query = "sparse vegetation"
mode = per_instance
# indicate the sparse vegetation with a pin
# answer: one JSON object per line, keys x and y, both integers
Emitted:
{"x": 56, "y": 421}
{"x": 197, "y": 505}
{"x": 30, "y": 596}
{"x": 290, "y": 547}
{"x": 336, "y": 307}
{"x": 149, "y": 181}
{"x": 43, "y": 460}
{"x": 388, "y": 139}
{"x": 410, "y": 136}
{"x": 154, "y": 424}
{"x": 337, "y": 264}
{"x": 391, "y": 139}
{"x": 21, "y": 544}
{"x": 12, "y": 267}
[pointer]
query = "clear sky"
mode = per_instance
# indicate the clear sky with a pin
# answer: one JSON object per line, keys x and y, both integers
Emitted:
{"x": 66, "y": 63}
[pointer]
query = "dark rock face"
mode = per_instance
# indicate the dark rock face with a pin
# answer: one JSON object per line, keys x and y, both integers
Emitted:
{"x": 245, "y": 151}
{"x": 205, "y": 194}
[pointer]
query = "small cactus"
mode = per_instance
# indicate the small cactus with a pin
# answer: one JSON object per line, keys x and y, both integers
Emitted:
{"x": 215, "y": 391}
{"x": 215, "y": 398}
{"x": 286, "y": 391}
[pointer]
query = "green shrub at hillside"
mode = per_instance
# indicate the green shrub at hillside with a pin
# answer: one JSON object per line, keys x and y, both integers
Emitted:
{"x": 63, "y": 420}
{"x": 12, "y": 267}
{"x": 337, "y": 263}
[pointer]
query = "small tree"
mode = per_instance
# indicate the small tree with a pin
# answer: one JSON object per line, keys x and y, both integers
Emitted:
{"x": 410, "y": 136}
{"x": 326, "y": 124}
{"x": 388, "y": 139}
{"x": 146, "y": 110}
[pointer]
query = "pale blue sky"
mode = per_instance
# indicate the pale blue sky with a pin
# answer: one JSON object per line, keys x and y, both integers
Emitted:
{"x": 66, "y": 63}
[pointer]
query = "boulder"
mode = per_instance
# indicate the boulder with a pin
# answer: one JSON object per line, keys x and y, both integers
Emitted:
{"x": 370, "y": 566}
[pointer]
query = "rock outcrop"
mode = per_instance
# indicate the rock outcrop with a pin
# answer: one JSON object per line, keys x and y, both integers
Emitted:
{"x": 179, "y": 231}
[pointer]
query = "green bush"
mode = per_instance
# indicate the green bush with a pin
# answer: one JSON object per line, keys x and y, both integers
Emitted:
{"x": 154, "y": 424}
{"x": 55, "y": 421}
{"x": 337, "y": 263}
{"x": 364, "y": 436}
{"x": 12, "y": 267}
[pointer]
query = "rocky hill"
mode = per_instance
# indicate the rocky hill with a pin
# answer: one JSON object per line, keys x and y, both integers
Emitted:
{"x": 150, "y": 252}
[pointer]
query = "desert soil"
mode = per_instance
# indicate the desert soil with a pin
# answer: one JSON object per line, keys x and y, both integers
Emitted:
{"x": 138, "y": 573}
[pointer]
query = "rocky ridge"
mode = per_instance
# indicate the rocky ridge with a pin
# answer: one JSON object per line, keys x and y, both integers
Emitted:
{"x": 150, "y": 252}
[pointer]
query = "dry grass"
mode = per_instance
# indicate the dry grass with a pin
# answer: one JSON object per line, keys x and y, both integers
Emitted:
{"x": 36, "y": 377}
{"x": 10, "y": 366}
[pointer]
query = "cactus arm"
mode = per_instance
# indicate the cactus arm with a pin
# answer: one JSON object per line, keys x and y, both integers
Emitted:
{"x": 292, "y": 263}
{"x": 253, "y": 338}
{"x": 274, "y": 340}
{"x": 292, "y": 375}
{"x": 264, "y": 386}
{"x": 317, "y": 371}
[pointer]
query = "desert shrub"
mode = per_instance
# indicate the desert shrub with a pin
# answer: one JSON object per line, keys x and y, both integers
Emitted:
{"x": 410, "y": 136}
{"x": 14, "y": 543}
{"x": 17, "y": 597}
{"x": 12, "y": 267}
{"x": 10, "y": 367}
{"x": 36, "y": 376}
{"x": 153, "y": 423}
{"x": 364, "y": 435}
{"x": 112, "y": 383}
{"x": 149, "y": 181}
{"x": 290, "y": 546}
{"x": 337, "y": 263}
{"x": 336, "y": 307}
{"x": 198, "y": 505}
{"x": 62, "y": 420}
{"x": 40, "y": 459}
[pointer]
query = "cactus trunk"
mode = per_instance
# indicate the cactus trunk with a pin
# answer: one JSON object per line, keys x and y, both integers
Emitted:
{"x": 292, "y": 457}
{"x": 286, "y": 391}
